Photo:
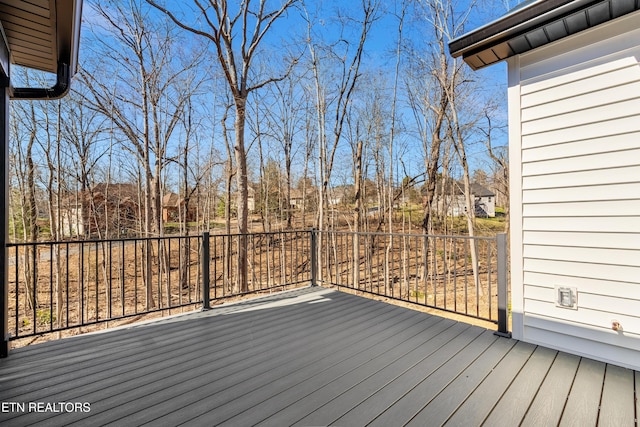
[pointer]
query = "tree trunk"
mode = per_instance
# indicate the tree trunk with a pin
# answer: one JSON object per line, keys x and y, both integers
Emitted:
{"x": 243, "y": 195}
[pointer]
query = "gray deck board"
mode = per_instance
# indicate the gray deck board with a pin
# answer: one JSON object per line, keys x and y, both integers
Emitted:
{"x": 233, "y": 372}
{"x": 548, "y": 404}
{"x": 513, "y": 405}
{"x": 371, "y": 408}
{"x": 383, "y": 366}
{"x": 481, "y": 402}
{"x": 616, "y": 406}
{"x": 106, "y": 358}
{"x": 331, "y": 404}
{"x": 312, "y": 356}
{"x": 297, "y": 401}
{"x": 583, "y": 402}
{"x": 404, "y": 409}
{"x": 319, "y": 361}
{"x": 157, "y": 364}
{"x": 447, "y": 402}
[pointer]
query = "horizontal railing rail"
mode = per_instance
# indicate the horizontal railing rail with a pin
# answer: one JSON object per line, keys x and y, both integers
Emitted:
{"x": 57, "y": 286}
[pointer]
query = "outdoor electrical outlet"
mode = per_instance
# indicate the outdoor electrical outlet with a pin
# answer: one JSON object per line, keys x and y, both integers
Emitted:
{"x": 566, "y": 297}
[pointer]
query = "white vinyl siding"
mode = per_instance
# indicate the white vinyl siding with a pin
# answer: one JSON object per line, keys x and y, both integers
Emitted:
{"x": 579, "y": 141}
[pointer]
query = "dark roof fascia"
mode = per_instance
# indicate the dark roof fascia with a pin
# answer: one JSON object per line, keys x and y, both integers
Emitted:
{"x": 514, "y": 22}
{"x": 532, "y": 25}
{"x": 68, "y": 32}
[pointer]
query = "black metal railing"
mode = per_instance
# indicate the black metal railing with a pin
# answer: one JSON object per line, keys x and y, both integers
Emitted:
{"x": 62, "y": 285}
{"x": 459, "y": 274}
{"x": 273, "y": 260}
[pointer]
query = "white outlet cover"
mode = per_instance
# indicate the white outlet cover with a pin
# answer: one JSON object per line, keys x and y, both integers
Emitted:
{"x": 566, "y": 297}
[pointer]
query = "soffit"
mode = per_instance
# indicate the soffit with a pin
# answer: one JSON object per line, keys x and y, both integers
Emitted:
{"x": 42, "y": 33}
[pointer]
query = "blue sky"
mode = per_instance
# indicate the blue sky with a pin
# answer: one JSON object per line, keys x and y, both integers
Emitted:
{"x": 379, "y": 49}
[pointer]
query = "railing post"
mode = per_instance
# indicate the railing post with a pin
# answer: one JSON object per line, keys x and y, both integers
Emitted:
{"x": 4, "y": 205}
{"x": 314, "y": 256}
{"x": 206, "y": 276}
{"x": 503, "y": 313}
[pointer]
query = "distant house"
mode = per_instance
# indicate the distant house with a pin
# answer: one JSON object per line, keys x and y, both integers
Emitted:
{"x": 574, "y": 148}
{"x": 484, "y": 201}
{"x": 251, "y": 199}
{"x": 111, "y": 209}
{"x": 373, "y": 211}
{"x": 298, "y": 198}
{"x": 173, "y": 209}
{"x": 450, "y": 200}
{"x": 340, "y": 195}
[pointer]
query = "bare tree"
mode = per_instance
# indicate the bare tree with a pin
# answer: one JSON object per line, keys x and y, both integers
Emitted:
{"x": 459, "y": 141}
{"x": 29, "y": 127}
{"x": 24, "y": 133}
{"x": 452, "y": 81}
{"x": 267, "y": 180}
{"x": 335, "y": 91}
{"x": 82, "y": 132}
{"x": 144, "y": 96}
{"x": 305, "y": 185}
{"x": 149, "y": 91}
{"x": 367, "y": 134}
{"x": 230, "y": 171}
{"x": 394, "y": 101}
{"x": 428, "y": 100}
{"x": 285, "y": 123}
{"x": 356, "y": 139}
{"x": 223, "y": 27}
{"x": 500, "y": 157}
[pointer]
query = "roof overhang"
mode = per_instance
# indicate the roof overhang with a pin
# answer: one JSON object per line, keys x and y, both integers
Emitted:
{"x": 534, "y": 24}
{"x": 43, "y": 35}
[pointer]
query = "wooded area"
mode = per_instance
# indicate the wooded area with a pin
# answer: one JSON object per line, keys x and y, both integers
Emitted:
{"x": 259, "y": 116}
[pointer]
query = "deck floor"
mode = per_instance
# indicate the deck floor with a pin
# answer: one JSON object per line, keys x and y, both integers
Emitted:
{"x": 309, "y": 357}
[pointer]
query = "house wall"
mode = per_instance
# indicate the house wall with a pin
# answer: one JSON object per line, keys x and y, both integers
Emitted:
{"x": 485, "y": 206}
{"x": 71, "y": 222}
{"x": 449, "y": 205}
{"x": 574, "y": 115}
{"x": 456, "y": 206}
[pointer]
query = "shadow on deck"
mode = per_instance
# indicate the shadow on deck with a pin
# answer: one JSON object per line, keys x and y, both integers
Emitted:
{"x": 310, "y": 356}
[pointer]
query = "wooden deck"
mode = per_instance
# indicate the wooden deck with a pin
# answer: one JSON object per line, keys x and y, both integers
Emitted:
{"x": 310, "y": 356}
